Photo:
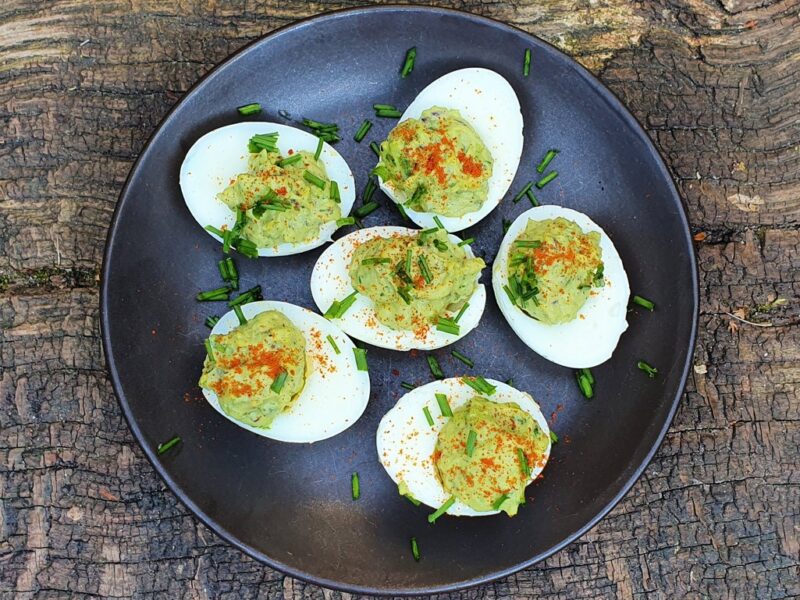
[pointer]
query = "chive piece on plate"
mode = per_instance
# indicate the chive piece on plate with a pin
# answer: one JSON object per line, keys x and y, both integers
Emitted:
{"x": 345, "y": 304}
{"x": 649, "y": 369}
{"x": 280, "y": 380}
{"x": 479, "y": 384}
{"x": 464, "y": 359}
{"x": 239, "y": 314}
{"x": 345, "y": 221}
{"x": 438, "y": 222}
{"x": 448, "y": 326}
{"x": 314, "y": 180}
{"x": 436, "y": 370}
{"x": 210, "y": 350}
{"x": 289, "y": 160}
{"x": 546, "y": 179}
{"x": 355, "y": 486}
{"x": 366, "y": 125}
{"x": 423, "y": 267}
{"x": 499, "y": 502}
{"x": 426, "y": 411}
{"x": 318, "y": 151}
{"x": 332, "y": 342}
{"x": 461, "y": 312}
{"x": 441, "y": 510}
{"x": 334, "y": 193}
{"x": 163, "y": 447}
{"x": 444, "y": 405}
{"x": 472, "y": 437}
{"x": 402, "y": 211}
{"x": 644, "y": 303}
{"x": 249, "y": 109}
{"x": 550, "y": 155}
{"x": 408, "y": 62}
{"x": 523, "y": 463}
{"x": 526, "y": 63}
{"x": 361, "y": 358}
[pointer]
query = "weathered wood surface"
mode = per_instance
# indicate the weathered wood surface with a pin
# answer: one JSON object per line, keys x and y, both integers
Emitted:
{"x": 717, "y": 85}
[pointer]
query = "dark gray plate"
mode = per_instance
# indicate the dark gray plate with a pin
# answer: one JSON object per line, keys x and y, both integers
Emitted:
{"x": 289, "y": 505}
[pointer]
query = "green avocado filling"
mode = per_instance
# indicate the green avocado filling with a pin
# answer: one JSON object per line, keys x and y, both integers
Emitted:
{"x": 436, "y": 164}
{"x": 479, "y": 454}
{"x": 281, "y": 204}
{"x": 553, "y": 267}
{"x": 414, "y": 280}
{"x": 258, "y": 369}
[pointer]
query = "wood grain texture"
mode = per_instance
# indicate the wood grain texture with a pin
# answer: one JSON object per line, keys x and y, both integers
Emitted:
{"x": 717, "y": 85}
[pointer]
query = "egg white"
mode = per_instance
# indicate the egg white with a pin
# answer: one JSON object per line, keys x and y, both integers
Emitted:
{"x": 489, "y": 104}
{"x": 335, "y": 393}
{"x": 330, "y": 280}
{"x": 220, "y": 155}
{"x": 405, "y": 441}
{"x": 590, "y": 338}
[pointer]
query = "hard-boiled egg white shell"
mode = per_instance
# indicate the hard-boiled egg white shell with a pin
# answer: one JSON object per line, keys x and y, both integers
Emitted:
{"x": 406, "y": 442}
{"x": 590, "y": 338}
{"x": 335, "y": 393}
{"x": 220, "y": 155}
{"x": 330, "y": 280}
{"x": 488, "y": 102}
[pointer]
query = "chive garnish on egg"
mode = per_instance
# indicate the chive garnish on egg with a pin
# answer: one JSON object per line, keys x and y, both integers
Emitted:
{"x": 318, "y": 151}
{"x": 289, "y": 160}
{"x": 444, "y": 405}
{"x": 333, "y": 344}
{"x": 239, "y": 314}
{"x": 523, "y": 463}
{"x": 210, "y": 350}
{"x": 466, "y": 242}
{"x": 479, "y": 384}
{"x": 441, "y": 510}
{"x": 426, "y": 411}
{"x": 499, "y": 502}
{"x": 361, "y": 358}
{"x": 472, "y": 437}
{"x": 461, "y": 312}
{"x": 278, "y": 383}
{"x": 423, "y": 267}
{"x": 334, "y": 192}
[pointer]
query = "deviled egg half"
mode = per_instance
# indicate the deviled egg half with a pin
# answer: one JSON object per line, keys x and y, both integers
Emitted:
{"x": 400, "y": 288}
{"x": 271, "y": 189}
{"x": 455, "y": 150}
{"x": 560, "y": 284}
{"x": 464, "y": 451}
{"x": 286, "y": 373}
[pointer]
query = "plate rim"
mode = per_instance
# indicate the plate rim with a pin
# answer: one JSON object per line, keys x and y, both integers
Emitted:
{"x": 616, "y": 105}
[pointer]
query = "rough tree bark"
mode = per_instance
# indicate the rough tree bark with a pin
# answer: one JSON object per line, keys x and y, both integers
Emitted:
{"x": 717, "y": 85}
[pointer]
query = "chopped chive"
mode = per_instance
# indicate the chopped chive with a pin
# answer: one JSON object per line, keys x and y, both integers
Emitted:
{"x": 506, "y": 225}
{"x": 239, "y": 314}
{"x": 553, "y": 437}
{"x": 479, "y": 384}
{"x": 444, "y": 405}
{"x": 467, "y": 361}
{"x": 426, "y": 232}
{"x": 369, "y": 190}
{"x": 408, "y": 62}
{"x": 407, "y": 386}
{"x": 334, "y": 193}
{"x": 345, "y": 221}
{"x": 210, "y": 349}
{"x": 499, "y": 502}
{"x": 526, "y": 63}
{"x": 527, "y": 243}
{"x": 318, "y": 151}
{"x": 251, "y": 295}
{"x": 222, "y": 265}
{"x": 246, "y": 248}
{"x": 448, "y": 326}
{"x": 314, "y": 180}
{"x": 375, "y": 148}
{"x": 588, "y": 374}
{"x": 332, "y": 310}
{"x": 221, "y": 293}
{"x": 523, "y": 463}
{"x": 366, "y": 125}
{"x": 376, "y": 260}
{"x": 414, "y": 545}
{"x": 345, "y": 304}
{"x": 437, "y": 221}
{"x": 466, "y": 242}
{"x": 384, "y": 107}
{"x": 534, "y": 202}
{"x": 355, "y": 486}
{"x": 163, "y": 447}
{"x": 402, "y": 211}
{"x": 249, "y": 109}
{"x": 388, "y": 113}
{"x": 644, "y": 303}
{"x": 361, "y": 358}
{"x": 211, "y": 321}
{"x": 461, "y": 312}
{"x": 289, "y": 160}
{"x": 440, "y": 245}
{"x": 417, "y": 194}
{"x": 585, "y": 385}
{"x": 649, "y": 369}
{"x": 365, "y": 210}
{"x": 214, "y": 230}
{"x": 510, "y": 382}
{"x": 227, "y": 238}
{"x": 546, "y": 179}
{"x": 408, "y": 262}
{"x": 404, "y": 294}
{"x": 550, "y": 155}
{"x": 332, "y": 342}
{"x": 511, "y": 295}
{"x": 523, "y": 191}
{"x": 428, "y": 416}
{"x": 280, "y": 380}
{"x": 472, "y": 437}
{"x": 263, "y": 141}
{"x": 275, "y": 207}
{"x": 433, "y": 364}
{"x": 441, "y": 510}
{"x": 423, "y": 267}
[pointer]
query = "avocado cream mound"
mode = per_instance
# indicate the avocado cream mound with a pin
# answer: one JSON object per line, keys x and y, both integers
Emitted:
{"x": 552, "y": 267}
{"x": 414, "y": 280}
{"x": 438, "y": 163}
{"x": 494, "y": 476}
{"x": 258, "y": 369}
{"x": 282, "y": 204}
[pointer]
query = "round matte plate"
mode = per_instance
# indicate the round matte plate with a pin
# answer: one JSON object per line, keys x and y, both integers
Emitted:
{"x": 289, "y": 505}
